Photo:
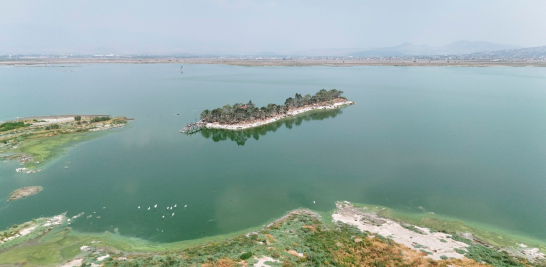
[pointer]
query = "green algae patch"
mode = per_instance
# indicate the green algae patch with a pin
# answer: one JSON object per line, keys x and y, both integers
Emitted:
{"x": 19, "y": 234}
{"x": 46, "y": 148}
{"x": 59, "y": 248}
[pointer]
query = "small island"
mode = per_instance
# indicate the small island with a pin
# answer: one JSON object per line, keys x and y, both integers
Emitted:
{"x": 24, "y": 192}
{"x": 243, "y": 116}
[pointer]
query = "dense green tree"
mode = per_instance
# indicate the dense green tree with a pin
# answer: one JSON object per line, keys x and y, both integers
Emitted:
{"x": 99, "y": 119}
{"x": 290, "y": 103}
{"x": 239, "y": 112}
{"x": 12, "y": 125}
{"x": 299, "y": 100}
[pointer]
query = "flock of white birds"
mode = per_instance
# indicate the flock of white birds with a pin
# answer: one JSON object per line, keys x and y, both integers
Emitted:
{"x": 168, "y": 208}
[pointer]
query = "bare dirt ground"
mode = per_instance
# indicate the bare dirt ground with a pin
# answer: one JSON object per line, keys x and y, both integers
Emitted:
{"x": 419, "y": 238}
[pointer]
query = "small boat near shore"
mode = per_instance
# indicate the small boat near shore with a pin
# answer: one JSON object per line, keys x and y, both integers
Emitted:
{"x": 192, "y": 128}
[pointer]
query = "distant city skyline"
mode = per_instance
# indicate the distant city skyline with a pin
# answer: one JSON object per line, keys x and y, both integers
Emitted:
{"x": 253, "y": 27}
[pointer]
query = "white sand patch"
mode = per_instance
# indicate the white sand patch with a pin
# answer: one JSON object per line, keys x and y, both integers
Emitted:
{"x": 50, "y": 222}
{"x": 54, "y": 120}
{"x": 27, "y": 230}
{"x": 438, "y": 244}
{"x": 103, "y": 257}
{"x": 73, "y": 263}
{"x": 55, "y": 220}
{"x": 262, "y": 261}
{"x": 532, "y": 254}
{"x": 23, "y": 232}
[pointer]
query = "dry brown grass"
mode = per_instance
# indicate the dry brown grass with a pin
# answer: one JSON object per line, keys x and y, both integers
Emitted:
{"x": 312, "y": 228}
{"x": 375, "y": 252}
{"x": 224, "y": 262}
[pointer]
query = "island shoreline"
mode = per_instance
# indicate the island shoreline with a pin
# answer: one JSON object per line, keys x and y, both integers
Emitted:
{"x": 290, "y": 113}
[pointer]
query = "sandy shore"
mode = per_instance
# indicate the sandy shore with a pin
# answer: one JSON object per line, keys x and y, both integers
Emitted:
{"x": 42, "y": 224}
{"x": 53, "y": 62}
{"x": 435, "y": 244}
{"x": 46, "y": 120}
{"x": 293, "y": 112}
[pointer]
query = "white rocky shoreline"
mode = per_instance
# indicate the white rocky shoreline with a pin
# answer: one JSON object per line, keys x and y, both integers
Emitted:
{"x": 293, "y": 112}
{"x": 436, "y": 245}
{"x": 40, "y": 225}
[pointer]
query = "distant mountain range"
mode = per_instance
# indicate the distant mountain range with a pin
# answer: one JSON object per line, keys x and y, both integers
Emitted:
{"x": 466, "y": 50}
{"x": 456, "y": 48}
{"x": 33, "y": 39}
{"x": 522, "y": 53}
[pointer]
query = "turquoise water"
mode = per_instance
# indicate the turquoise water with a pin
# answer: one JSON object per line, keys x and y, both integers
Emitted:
{"x": 468, "y": 143}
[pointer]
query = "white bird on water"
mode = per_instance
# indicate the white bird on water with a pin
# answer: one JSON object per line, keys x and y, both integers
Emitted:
{"x": 313, "y": 202}
{"x": 185, "y": 206}
{"x": 155, "y": 206}
{"x": 172, "y": 215}
{"x": 139, "y": 207}
{"x": 175, "y": 205}
{"x": 163, "y": 216}
{"x": 148, "y": 208}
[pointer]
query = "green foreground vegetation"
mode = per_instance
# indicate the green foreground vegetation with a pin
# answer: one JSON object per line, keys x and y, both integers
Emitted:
{"x": 302, "y": 238}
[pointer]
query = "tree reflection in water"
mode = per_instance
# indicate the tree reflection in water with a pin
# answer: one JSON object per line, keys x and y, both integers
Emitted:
{"x": 240, "y": 137}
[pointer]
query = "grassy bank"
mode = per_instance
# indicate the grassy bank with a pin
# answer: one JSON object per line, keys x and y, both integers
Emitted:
{"x": 301, "y": 238}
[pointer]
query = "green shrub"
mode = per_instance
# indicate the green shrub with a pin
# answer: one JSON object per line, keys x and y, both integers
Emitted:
{"x": 99, "y": 119}
{"x": 12, "y": 125}
{"x": 496, "y": 258}
{"x": 246, "y": 255}
{"x": 460, "y": 251}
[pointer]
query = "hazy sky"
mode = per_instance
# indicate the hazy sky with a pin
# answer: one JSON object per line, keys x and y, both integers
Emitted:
{"x": 247, "y": 26}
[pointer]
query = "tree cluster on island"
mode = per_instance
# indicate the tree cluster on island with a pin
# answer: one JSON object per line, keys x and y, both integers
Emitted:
{"x": 240, "y": 112}
{"x": 7, "y": 126}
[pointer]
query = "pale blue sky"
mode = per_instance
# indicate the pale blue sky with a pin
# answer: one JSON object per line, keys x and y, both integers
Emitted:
{"x": 246, "y": 26}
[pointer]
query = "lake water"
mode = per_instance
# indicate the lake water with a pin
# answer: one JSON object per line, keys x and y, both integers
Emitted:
{"x": 469, "y": 143}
